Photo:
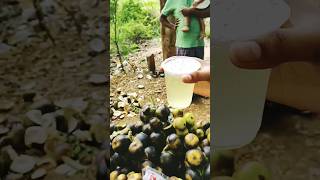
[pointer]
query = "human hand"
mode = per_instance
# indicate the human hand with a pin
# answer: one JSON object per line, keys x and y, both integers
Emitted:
{"x": 202, "y": 35}
{"x": 281, "y": 46}
{"x": 203, "y": 74}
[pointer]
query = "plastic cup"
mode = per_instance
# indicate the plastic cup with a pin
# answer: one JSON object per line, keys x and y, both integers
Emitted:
{"x": 179, "y": 94}
{"x": 239, "y": 94}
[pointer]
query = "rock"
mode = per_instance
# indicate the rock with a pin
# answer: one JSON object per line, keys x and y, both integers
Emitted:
{"x": 133, "y": 95}
{"x": 82, "y": 135}
{"x": 38, "y": 173}
{"x": 149, "y": 77}
{"x": 44, "y": 105}
{"x": 28, "y": 13}
{"x": 35, "y": 134}
{"x": 65, "y": 169}
{"x": 3, "y": 130}
{"x": 98, "y": 79}
{"x": 35, "y": 116}
{"x": 6, "y": 105}
{"x": 140, "y": 76}
{"x": 121, "y": 104}
{"x": 97, "y": 45}
{"x": 21, "y": 35}
{"x": 48, "y": 119}
{"x": 74, "y": 103}
{"x": 117, "y": 113}
{"x": 4, "y": 48}
{"x": 14, "y": 176}
{"x": 22, "y": 164}
{"x": 140, "y": 86}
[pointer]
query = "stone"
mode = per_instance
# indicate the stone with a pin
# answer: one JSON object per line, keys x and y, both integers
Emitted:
{"x": 35, "y": 134}
{"x": 22, "y": 164}
{"x": 39, "y": 173}
{"x": 140, "y": 86}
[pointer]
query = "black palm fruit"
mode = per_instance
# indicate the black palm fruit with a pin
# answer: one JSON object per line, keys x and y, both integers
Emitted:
{"x": 156, "y": 124}
{"x": 157, "y": 139}
{"x": 168, "y": 162}
{"x": 116, "y": 160}
{"x": 163, "y": 113}
{"x": 144, "y": 138}
{"x": 136, "y": 148}
{"x": 151, "y": 154}
{"x": 121, "y": 143}
{"x": 146, "y": 113}
{"x": 147, "y": 129}
{"x": 136, "y": 127}
{"x": 174, "y": 142}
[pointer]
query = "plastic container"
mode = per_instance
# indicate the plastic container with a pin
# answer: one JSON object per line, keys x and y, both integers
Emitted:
{"x": 239, "y": 94}
{"x": 179, "y": 94}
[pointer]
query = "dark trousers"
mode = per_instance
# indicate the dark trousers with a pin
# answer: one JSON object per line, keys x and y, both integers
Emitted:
{"x": 191, "y": 52}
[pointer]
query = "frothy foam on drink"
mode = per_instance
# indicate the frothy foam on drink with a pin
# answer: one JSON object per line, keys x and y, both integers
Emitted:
{"x": 179, "y": 65}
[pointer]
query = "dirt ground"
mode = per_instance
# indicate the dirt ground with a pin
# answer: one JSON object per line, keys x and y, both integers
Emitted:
{"x": 288, "y": 141}
{"x": 154, "y": 88}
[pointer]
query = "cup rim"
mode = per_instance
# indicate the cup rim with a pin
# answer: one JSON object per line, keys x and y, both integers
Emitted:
{"x": 195, "y": 59}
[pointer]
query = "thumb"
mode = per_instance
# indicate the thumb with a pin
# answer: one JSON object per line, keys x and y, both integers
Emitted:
{"x": 283, "y": 45}
{"x": 196, "y": 76}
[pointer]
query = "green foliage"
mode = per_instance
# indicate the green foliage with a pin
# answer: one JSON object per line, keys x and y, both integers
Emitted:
{"x": 136, "y": 21}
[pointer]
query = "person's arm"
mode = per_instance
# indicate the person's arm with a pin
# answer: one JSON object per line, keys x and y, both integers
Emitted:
{"x": 200, "y": 13}
{"x": 164, "y": 21}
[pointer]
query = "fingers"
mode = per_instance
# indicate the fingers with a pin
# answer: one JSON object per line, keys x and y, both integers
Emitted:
{"x": 283, "y": 45}
{"x": 196, "y": 76}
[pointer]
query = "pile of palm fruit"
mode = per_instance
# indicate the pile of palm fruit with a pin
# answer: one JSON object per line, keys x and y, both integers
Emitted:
{"x": 168, "y": 140}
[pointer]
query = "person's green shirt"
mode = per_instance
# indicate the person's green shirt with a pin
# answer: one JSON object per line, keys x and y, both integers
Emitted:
{"x": 184, "y": 39}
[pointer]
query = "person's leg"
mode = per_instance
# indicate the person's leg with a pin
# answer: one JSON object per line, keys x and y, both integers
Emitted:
{"x": 186, "y": 24}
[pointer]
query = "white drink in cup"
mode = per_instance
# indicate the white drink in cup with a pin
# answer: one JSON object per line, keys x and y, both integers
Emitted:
{"x": 239, "y": 94}
{"x": 179, "y": 94}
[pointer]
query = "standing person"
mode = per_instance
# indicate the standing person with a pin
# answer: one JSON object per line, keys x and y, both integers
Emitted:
{"x": 187, "y": 43}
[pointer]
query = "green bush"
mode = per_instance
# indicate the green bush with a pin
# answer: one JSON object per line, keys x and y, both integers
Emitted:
{"x": 137, "y": 21}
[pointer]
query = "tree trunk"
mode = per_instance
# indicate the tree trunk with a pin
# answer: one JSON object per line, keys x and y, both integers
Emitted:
{"x": 168, "y": 38}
